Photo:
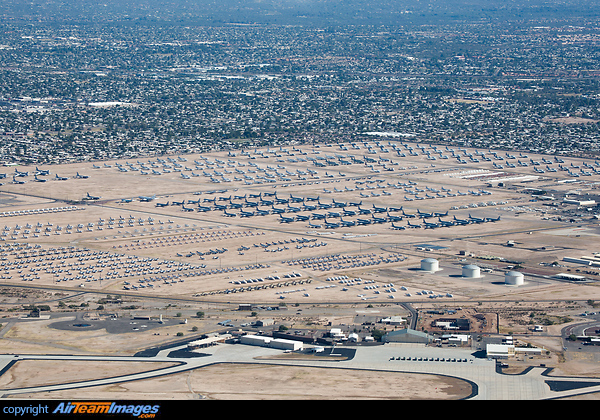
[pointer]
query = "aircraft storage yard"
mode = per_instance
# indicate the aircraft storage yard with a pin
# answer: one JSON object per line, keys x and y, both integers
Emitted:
{"x": 347, "y": 227}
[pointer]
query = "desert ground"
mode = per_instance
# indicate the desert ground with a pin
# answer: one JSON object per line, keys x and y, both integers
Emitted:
{"x": 138, "y": 242}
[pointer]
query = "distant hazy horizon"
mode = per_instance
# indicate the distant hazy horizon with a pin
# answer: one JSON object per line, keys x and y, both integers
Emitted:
{"x": 293, "y": 12}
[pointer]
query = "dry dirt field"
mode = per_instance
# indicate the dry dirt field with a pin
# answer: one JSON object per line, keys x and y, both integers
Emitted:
{"x": 260, "y": 382}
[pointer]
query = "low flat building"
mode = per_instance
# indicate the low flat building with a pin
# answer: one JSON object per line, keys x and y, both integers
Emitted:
{"x": 504, "y": 351}
{"x": 264, "y": 322}
{"x": 393, "y": 320}
{"x": 457, "y": 339}
{"x": 208, "y": 341}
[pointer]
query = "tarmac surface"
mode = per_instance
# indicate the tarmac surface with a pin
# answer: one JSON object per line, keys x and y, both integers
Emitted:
{"x": 535, "y": 383}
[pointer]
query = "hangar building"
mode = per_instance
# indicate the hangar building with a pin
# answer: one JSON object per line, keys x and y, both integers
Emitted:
{"x": 407, "y": 335}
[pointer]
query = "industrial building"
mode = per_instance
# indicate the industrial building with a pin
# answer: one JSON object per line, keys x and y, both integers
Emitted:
{"x": 456, "y": 339}
{"x": 504, "y": 351}
{"x": 264, "y": 322}
{"x": 407, "y": 335}
{"x": 276, "y": 343}
{"x": 393, "y": 320}
{"x": 569, "y": 276}
{"x": 337, "y": 334}
{"x": 208, "y": 341}
{"x": 283, "y": 344}
{"x": 463, "y": 324}
{"x": 255, "y": 340}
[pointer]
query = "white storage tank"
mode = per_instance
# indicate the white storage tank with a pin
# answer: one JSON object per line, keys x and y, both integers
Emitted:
{"x": 514, "y": 278}
{"x": 471, "y": 271}
{"x": 430, "y": 264}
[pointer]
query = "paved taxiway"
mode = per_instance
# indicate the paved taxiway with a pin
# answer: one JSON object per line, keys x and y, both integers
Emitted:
{"x": 487, "y": 383}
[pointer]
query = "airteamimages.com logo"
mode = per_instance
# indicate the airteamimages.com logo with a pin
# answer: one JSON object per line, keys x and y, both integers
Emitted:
{"x": 83, "y": 408}
{"x": 142, "y": 411}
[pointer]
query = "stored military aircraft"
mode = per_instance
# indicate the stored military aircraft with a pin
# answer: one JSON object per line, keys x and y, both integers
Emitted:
{"x": 445, "y": 223}
{"x": 476, "y": 219}
{"x": 424, "y": 214}
{"x": 347, "y": 223}
{"x": 307, "y": 207}
{"x": 283, "y": 219}
{"x": 276, "y": 210}
{"x": 379, "y": 209}
{"x": 461, "y": 221}
{"x": 330, "y": 225}
{"x": 413, "y": 226}
{"x": 392, "y": 218}
{"x": 323, "y": 206}
{"x": 378, "y": 219}
{"x": 339, "y": 204}
{"x": 398, "y": 227}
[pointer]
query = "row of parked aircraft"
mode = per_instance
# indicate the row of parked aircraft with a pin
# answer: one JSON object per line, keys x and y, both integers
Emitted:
{"x": 394, "y": 219}
{"x": 296, "y": 204}
{"x": 38, "y": 176}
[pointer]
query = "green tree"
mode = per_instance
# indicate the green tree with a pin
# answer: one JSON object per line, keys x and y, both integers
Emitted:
{"x": 377, "y": 334}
